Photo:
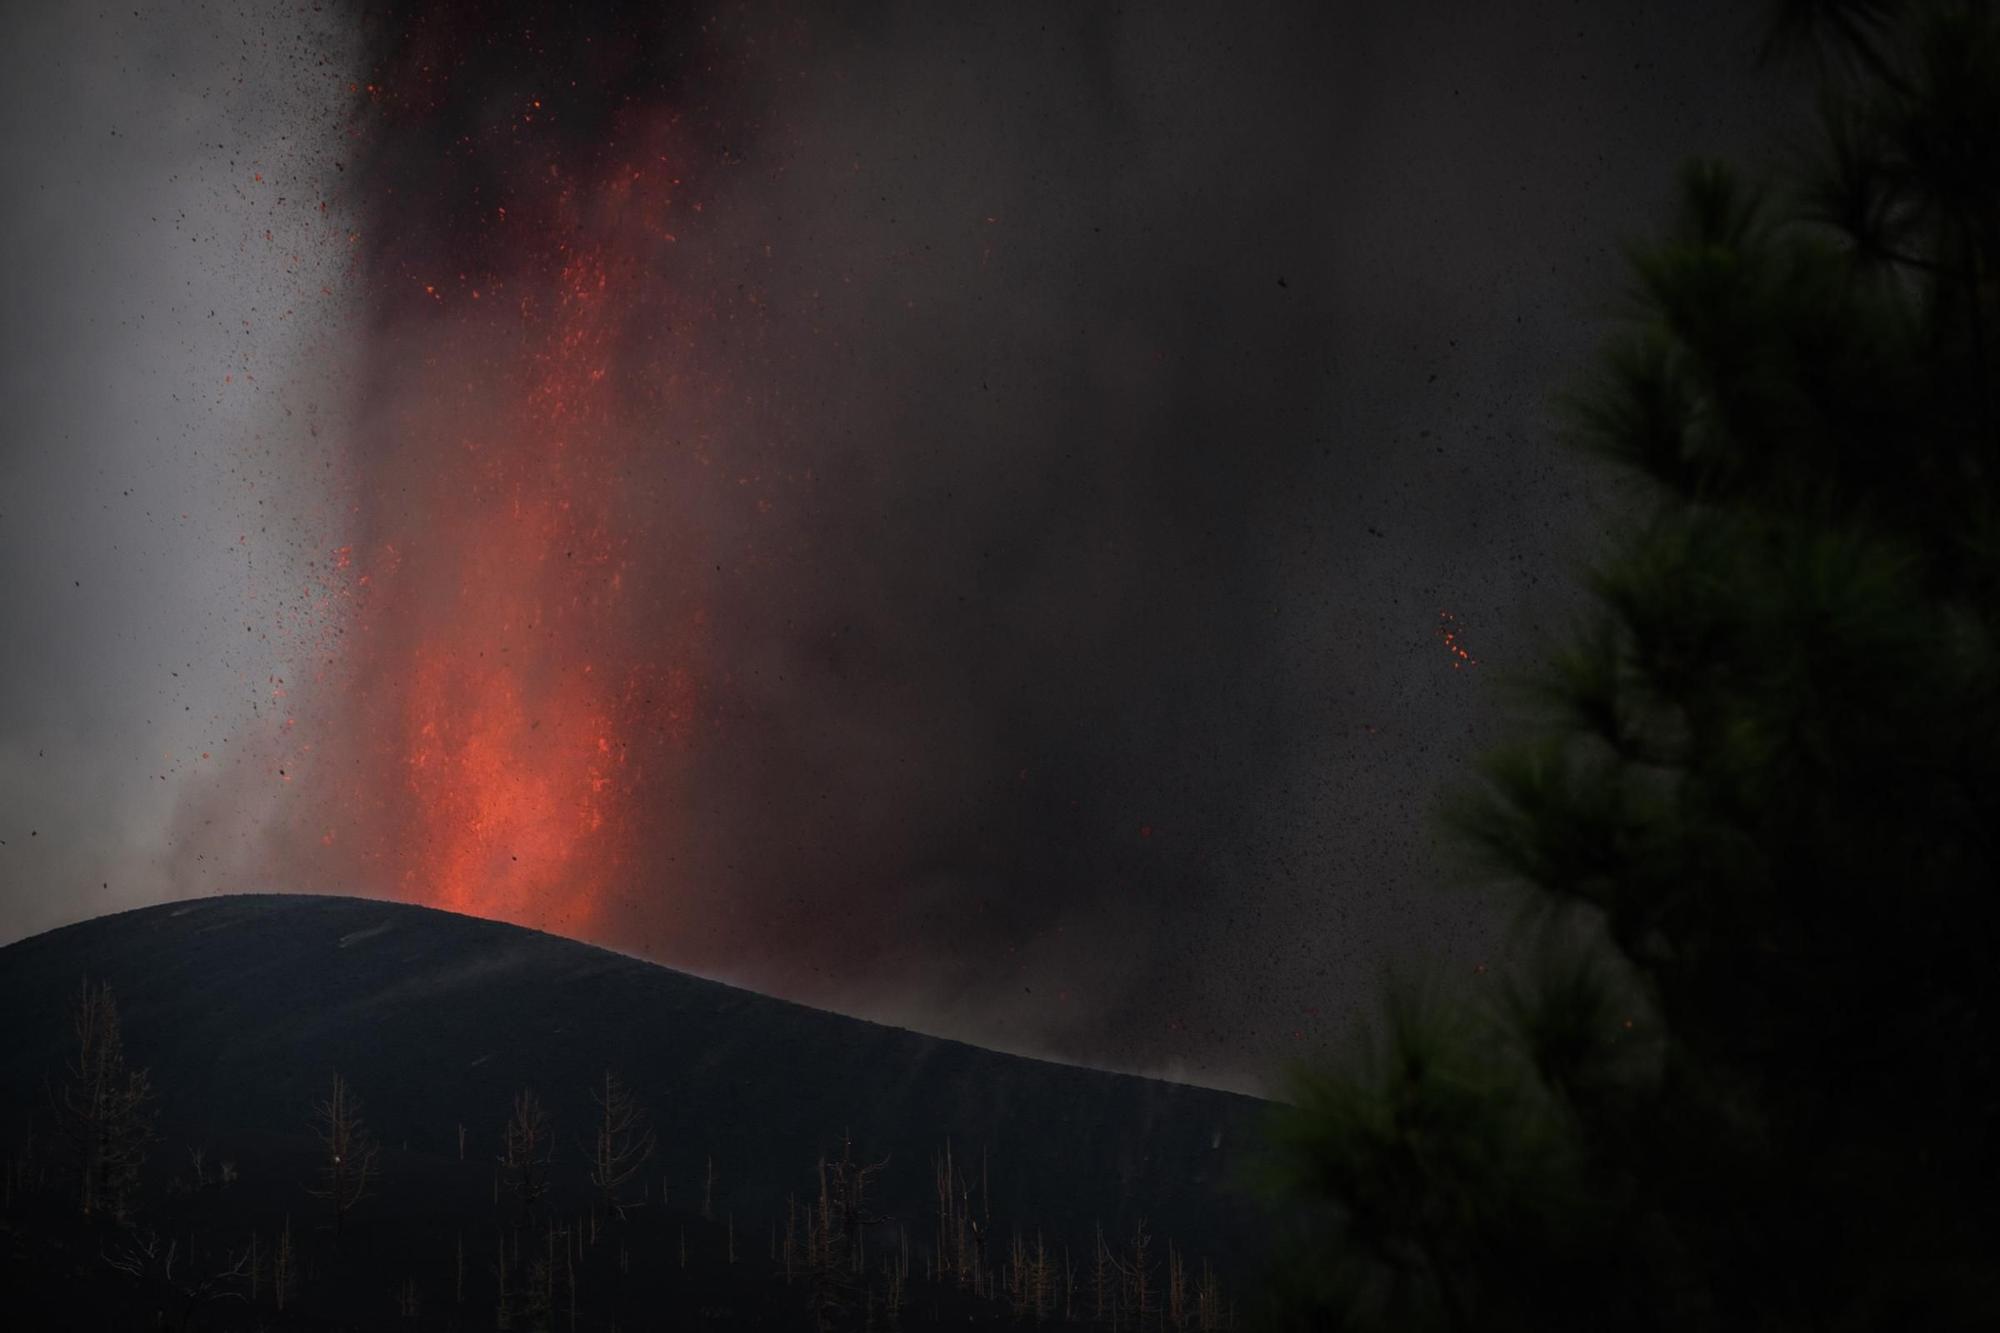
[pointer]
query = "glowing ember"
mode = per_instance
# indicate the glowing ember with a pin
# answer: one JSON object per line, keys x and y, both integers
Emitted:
{"x": 1454, "y": 642}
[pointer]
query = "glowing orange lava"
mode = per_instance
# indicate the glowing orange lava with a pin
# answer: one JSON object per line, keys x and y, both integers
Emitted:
{"x": 526, "y": 704}
{"x": 1454, "y": 641}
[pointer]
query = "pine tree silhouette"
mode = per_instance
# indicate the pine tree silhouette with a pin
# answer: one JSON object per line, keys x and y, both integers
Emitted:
{"x": 1748, "y": 1078}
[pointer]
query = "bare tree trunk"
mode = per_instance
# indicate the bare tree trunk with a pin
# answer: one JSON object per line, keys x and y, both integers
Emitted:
{"x": 348, "y": 1167}
{"x": 102, "y": 1106}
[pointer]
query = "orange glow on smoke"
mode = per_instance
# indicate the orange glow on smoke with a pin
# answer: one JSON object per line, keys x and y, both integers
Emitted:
{"x": 528, "y": 702}
{"x": 511, "y": 792}
{"x": 514, "y": 789}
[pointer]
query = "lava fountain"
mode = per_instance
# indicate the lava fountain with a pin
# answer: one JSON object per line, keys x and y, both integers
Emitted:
{"x": 521, "y": 655}
{"x": 520, "y": 732}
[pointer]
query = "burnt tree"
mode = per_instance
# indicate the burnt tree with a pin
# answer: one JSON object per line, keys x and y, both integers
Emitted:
{"x": 103, "y": 1107}
{"x": 348, "y": 1152}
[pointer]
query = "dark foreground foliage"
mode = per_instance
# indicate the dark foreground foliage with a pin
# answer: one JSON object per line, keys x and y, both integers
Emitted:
{"x": 1748, "y": 1080}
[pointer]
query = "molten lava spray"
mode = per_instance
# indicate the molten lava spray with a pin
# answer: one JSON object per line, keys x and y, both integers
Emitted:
{"x": 518, "y": 710}
{"x": 522, "y": 673}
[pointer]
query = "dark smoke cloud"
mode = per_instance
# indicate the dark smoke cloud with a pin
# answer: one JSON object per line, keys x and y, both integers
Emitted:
{"x": 1100, "y": 408}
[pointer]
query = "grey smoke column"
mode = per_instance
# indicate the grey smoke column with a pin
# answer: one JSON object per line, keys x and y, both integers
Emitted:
{"x": 164, "y": 353}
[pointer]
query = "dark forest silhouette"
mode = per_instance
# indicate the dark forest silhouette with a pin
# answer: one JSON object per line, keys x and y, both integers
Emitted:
{"x": 308, "y": 1148}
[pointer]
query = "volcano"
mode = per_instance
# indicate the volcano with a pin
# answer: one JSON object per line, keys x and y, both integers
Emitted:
{"x": 243, "y": 1008}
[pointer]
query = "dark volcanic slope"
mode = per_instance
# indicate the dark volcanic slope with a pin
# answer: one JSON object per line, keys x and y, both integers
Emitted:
{"x": 243, "y": 1007}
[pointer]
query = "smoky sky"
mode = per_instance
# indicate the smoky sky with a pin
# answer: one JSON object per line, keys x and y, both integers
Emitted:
{"x": 1079, "y": 420}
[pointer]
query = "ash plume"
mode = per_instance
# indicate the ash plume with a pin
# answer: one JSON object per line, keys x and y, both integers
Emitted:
{"x": 946, "y": 514}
